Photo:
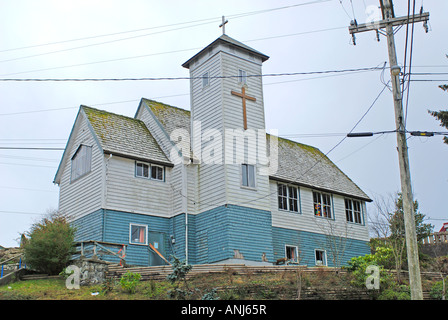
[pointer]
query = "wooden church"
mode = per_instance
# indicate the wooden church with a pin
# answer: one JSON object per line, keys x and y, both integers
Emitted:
{"x": 209, "y": 185}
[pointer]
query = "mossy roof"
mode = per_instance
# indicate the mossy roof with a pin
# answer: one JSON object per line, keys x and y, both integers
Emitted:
{"x": 124, "y": 136}
{"x": 297, "y": 163}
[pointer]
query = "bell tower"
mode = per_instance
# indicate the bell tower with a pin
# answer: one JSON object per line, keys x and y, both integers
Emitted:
{"x": 226, "y": 93}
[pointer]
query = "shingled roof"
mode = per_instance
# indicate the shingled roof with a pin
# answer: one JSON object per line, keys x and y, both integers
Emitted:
{"x": 124, "y": 136}
{"x": 297, "y": 163}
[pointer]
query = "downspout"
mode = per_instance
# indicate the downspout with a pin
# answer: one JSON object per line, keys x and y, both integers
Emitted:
{"x": 184, "y": 194}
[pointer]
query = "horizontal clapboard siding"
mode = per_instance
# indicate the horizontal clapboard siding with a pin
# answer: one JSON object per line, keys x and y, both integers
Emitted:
{"x": 307, "y": 221}
{"x": 126, "y": 192}
{"x": 89, "y": 227}
{"x": 222, "y": 230}
{"x": 84, "y": 195}
{"x": 338, "y": 250}
{"x": 117, "y": 230}
{"x": 207, "y": 109}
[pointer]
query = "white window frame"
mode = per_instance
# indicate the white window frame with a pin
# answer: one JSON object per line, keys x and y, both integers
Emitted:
{"x": 150, "y": 166}
{"x": 145, "y": 233}
{"x": 81, "y": 162}
{"x": 320, "y": 204}
{"x": 287, "y": 197}
{"x": 245, "y": 173}
{"x": 137, "y": 164}
{"x": 324, "y": 257}
{"x": 296, "y": 250}
{"x": 162, "y": 170}
{"x": 352, "y": 215}
{"x": 242, "y": 76}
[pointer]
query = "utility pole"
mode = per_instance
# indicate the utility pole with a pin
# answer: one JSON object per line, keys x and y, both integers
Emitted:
{"x": 388, "y": 22}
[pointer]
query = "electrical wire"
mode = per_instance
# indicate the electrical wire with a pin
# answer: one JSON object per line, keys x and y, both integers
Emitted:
{"x": 202, "y": 22}
{"x": 185, "y": 78}
{"x": 213, "y": 204}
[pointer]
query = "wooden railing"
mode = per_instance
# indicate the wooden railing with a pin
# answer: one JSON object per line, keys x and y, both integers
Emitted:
{"x": 436, "y": 238}
{"x": 101, "y": 248}
{"x": 11, "y": 265}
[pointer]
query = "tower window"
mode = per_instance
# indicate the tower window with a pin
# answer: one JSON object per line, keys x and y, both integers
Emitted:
{"x": 248, "y": 175}
{"x": 242, "y": 76}
{"x": 205, "y": 80}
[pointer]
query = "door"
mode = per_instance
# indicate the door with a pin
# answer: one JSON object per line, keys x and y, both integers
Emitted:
{"x": 157, "y": 239}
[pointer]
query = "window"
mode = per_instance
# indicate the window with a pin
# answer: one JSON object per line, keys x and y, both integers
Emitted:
{"x": 248, "y": 175}
{"x": 149, "y": 171}
{"x": 322, "y": 204}
{"x": 288, "y": 198}
{"x": 157, "y": 172}
{"x": 291, "y": 253}
{"x": 81, "y": 162}
{"x": 138, "y": 234}
{"x": 142, "y": 170}
{"x": 353, "y": 211}
{"x": 205, "y": 80}
{"x": 321, "y": 257}
{"x": 242, "y": 76}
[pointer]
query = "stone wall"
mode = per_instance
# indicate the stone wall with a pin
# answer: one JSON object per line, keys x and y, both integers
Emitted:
{"x": 93, "y": 271}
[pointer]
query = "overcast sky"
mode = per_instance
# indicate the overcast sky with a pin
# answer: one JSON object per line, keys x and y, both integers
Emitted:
{"x": 135, "y": 39}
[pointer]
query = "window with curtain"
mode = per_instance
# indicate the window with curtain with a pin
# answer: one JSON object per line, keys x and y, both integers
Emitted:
{"x": 138, "y": 234}
{"x": 248, "y": 175}
{"x": 322, "y": 204}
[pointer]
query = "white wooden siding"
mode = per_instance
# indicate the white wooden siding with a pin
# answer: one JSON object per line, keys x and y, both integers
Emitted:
{"x": 207, "y": 108}
{"x": 306, "y": 221}
{"x": 84, "y": 195}
{"x": 126, "y": 192}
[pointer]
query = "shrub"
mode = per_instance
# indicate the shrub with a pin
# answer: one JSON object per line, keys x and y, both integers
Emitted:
{"x": 436, "y": 291}
{"x": 129, "y": 281}
{"x": 399, "y": 292}
{"x": 50, "y": 245}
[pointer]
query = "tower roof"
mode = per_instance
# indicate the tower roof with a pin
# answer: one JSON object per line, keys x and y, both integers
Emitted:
{"x": 227, "y": 40}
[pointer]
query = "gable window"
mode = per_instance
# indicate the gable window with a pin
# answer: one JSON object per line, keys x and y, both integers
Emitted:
{"x": 322, "y": 204}
{"x": 291, "y": 253}
{"x": 142, "y": 170}
{"x": 320, "y": 257}
{"x": 156, "y": 172}
{"x": 138, "y": 234}
{"x": 149, "y": 171}
{"x": 205, "y": 80}
{"x": 353, "y": 211}
{"x": 288, "y": 198}
{"x": 248, "y": 175}
{"x": 242, "y": 76}
{"x": 81, "y": 162}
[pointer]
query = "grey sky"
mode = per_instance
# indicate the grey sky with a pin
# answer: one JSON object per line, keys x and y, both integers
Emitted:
{"x": 35, "y": 44}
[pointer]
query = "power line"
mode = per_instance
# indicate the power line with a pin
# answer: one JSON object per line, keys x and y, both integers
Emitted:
{"x": 209, "y": 20}
{"x": 185, "y": 78}
{"x": 302, "y": 174}
{"x": 31, "y": 148}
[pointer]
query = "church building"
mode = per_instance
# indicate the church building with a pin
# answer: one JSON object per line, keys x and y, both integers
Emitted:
{"x": 209, "y": 185}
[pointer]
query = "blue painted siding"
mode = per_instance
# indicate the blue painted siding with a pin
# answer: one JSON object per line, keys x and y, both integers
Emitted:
{"x": 228, "y": 228}
{"x": 213, "y": 236}
{"x": 117, "y": 230}
{"x": 89, "y": 227}
{"x": 338, "y": 250}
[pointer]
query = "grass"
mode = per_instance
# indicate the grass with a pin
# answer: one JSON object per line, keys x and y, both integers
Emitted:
{"x": 227, "y": 286}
